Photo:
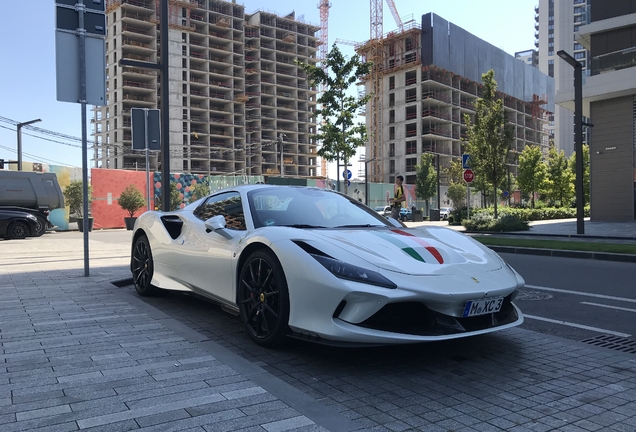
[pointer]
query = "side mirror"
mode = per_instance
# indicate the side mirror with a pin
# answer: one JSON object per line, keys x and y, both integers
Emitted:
{"x": 217, "y": 224}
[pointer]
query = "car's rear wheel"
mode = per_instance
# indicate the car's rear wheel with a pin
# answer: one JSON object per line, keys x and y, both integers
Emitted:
{"x": 18, "y": 230}
{"x": 263, "y": 299}
{"x": 143, "y": 267}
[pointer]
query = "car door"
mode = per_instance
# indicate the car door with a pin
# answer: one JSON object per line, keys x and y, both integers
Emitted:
{"x": 210, "y": 263}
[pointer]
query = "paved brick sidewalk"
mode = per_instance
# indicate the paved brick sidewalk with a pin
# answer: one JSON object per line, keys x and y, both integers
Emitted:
{"x": 81, "y": 354}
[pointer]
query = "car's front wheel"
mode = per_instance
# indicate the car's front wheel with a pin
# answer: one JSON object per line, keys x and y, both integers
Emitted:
{"x": 263, "y": 299}
{"x": 143, "y": 267}
{"x": 18, "y": 230}
{"x": 40, "y": 227}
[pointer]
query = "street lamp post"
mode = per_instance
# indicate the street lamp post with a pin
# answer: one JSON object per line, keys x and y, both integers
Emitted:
{"x": 578, "y": 136}
{"x": 366, "y": 181}
{"x": 20, "y": 140}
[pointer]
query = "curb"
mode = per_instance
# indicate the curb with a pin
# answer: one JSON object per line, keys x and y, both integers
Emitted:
{"x": 603, "y": 256}
{"x": 530, "y": 233}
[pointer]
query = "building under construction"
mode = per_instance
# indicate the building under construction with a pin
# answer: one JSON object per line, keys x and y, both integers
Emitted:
{"x": 236, "y": 95}
{"x": 429, "y": 77}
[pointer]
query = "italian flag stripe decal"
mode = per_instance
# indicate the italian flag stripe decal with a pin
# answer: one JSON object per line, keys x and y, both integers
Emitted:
{"x": 394, "y": 240}
{"x": 424, "y": 243}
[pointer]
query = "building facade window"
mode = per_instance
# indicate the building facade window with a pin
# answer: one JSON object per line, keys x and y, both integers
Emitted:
{"x": 411, "y": 163}
{"x": 391, "y": 83}
{"x": 411, "y": 147}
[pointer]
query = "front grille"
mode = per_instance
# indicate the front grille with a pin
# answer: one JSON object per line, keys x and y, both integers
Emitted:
{"x": 409, "y": 318}
{"x": 416, "y": 319}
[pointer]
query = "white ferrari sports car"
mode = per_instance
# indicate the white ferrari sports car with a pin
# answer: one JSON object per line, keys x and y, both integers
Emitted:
{"x": 317, "y": 265}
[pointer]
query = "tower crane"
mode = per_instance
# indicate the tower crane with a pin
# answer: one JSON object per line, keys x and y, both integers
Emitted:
{"x": 374, "y": 52}
{"x": 322, "y": 54}
{"x": 376, "y": 55}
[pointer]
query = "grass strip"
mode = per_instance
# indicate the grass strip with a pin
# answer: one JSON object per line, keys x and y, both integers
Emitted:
{"x": 558, "y": 244}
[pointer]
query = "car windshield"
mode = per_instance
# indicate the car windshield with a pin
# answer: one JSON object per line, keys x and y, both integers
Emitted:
{"x": 302, "y": 207}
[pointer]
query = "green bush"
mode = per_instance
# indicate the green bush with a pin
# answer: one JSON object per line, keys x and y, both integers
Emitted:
{"x": 532, "y": 214}
{"x": 484, "y": 221}
{"x": 131, "y": 200}
{"x": 74, "y": 197}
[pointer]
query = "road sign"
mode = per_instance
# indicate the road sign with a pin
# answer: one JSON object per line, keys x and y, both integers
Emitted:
{"x": 138, "y": 120}
{"x": 465, "y": 161}
{"x": 68, "y": 59}
{"x": 346, "y": 174}
{"x": 348, "y": 183}
{"x": 469, "y": 176}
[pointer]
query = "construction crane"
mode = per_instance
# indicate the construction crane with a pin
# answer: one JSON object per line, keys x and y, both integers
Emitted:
{"x": 322, "y": 55}
{"x": 373, "y": 50}
{"x": 376, "y": 55}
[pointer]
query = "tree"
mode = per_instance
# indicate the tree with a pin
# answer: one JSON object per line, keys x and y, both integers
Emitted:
{"x": 533, "y": 172}
{"x": 339, "y": 135}
{"x": 131, "y": 200}
{"x": 199, "y": 191}
{"x": 74, "y": 197}
{"x": 457, "y": 194}
{"x": 425, "y": 178}
{"x": 455, "y": 172}
{"x": 586, "y": 171}
{"x": 560, "y": 185}
{"x": 489, "y": 136}
{"x": 175, "y": 197}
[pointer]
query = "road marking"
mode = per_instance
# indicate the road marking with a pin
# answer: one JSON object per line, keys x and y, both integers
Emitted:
{"x": 582, "y": 293}
{"x": 584, "y": 327}
{"x": 609, "y": 307}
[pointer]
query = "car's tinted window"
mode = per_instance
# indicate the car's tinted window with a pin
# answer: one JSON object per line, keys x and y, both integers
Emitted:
{"x": 288, "y": 206}
{"x": 228, "y": 205}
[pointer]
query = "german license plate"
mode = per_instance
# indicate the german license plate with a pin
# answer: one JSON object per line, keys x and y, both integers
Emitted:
{"x": 482, "y": 307}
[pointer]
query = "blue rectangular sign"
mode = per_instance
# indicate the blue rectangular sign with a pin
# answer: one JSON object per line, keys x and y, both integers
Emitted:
{"x": 465, "y": 161}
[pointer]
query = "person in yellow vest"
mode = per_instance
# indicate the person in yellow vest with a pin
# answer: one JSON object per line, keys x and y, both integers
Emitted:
{"x": 398, "y": 198}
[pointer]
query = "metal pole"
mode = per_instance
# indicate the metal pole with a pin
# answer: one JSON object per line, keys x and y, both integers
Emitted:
{"x": 147, "y": 157}
{"x": 165, "y": 110}
{"x": 438, "y": 190}
{"x": 282, "y": 168}
{"x": 19, "y": 147}
{"x": 578, "y": 142}
{"x": 467, "y": 200}
{"x": 19, "y": 130}
{"x": 338, "y": 172}
{"x": 82, "y": 60}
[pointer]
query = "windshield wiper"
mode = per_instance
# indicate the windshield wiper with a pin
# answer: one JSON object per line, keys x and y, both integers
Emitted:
{"x": 359, "y": 226}
{"x": 302, "y": 226}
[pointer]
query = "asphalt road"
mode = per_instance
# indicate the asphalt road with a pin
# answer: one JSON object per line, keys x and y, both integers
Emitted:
{"x": 575, "y": 298}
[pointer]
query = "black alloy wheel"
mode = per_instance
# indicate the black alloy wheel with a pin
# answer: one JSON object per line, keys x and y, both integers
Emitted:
{"x": 142, "y": 267}
{"x": 40, "y": 227}
{"x": 18, "y": 230}
{"x": 264, "y": 299}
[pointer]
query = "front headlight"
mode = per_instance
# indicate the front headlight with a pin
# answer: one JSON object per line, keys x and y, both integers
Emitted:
{"x": 343, "y": 270}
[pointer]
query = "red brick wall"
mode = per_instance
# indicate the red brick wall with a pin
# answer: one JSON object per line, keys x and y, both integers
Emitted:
{"x": 107, "y": 185}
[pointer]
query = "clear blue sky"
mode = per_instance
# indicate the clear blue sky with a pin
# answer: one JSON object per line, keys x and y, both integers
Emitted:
{"x": 27, "y": 50}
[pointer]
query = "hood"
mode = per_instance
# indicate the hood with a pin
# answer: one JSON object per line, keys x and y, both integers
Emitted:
{"x": 413, "y": 251}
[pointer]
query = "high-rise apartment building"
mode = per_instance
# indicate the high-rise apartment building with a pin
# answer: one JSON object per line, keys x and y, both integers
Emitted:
{"x": 609, "y": 99}
{"x": 556, "y": 22}
{"x": 236, "y": 94}
{"x": 432, "y": 79}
